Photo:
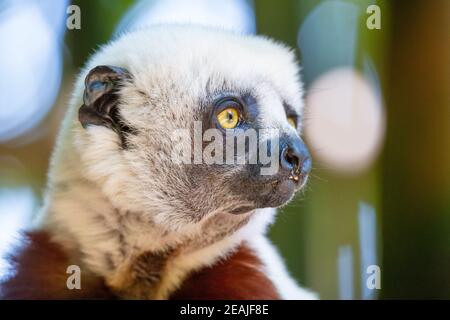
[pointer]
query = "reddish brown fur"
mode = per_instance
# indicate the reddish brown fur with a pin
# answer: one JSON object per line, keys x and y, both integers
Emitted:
{"x": 239, "y": 277}
{"x": 40, "y": 273}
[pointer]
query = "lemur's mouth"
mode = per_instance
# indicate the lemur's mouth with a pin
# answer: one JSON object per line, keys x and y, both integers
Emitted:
{"x": 274, "y": 192}
{"x": 299, "y": 178}
{"x": 281, "y": 192}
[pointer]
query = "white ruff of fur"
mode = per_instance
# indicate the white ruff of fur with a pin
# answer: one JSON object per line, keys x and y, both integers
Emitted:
{"x": 102, "y": 202}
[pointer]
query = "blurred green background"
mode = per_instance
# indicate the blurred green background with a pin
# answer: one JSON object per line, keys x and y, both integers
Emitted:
{"x": 379, "y": 195}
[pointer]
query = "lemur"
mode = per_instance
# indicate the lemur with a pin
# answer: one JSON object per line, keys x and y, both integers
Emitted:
{"x": 138, "y": 224}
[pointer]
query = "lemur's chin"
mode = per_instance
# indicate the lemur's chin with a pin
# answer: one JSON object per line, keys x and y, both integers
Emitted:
{"x": 282, "y": 193}
{"x": 273, "y": 194}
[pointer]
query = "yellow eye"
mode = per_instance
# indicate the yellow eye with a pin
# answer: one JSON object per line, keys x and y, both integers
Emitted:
{"x": 228, "y": 118}
{"x": 292, "y": 121}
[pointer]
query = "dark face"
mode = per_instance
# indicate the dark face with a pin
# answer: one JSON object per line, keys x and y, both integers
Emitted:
{"x": 255, "y": 161}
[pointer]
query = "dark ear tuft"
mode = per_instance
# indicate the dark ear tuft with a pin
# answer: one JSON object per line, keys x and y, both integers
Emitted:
{"x": 101, "y": 96}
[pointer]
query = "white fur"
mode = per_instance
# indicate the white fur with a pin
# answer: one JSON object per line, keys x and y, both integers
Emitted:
{"x": 277, "y": 272}
{"x": 91, "y": 177}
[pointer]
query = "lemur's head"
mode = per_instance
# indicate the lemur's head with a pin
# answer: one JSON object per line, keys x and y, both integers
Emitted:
{"x": 149, "y": 102}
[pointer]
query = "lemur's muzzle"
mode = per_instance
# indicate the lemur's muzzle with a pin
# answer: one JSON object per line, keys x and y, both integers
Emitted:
{"x": 291, "y": 174}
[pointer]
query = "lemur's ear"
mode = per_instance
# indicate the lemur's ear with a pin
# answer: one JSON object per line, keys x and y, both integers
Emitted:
{"x": 101, "y": 97}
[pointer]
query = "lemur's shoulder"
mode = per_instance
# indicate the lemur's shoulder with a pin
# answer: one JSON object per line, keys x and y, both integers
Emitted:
{"x": 39, "y": 268}
{"x": 38, "y": 271}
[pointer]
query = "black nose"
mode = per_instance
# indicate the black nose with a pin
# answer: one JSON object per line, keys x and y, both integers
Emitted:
{"x": 295, "y": 157}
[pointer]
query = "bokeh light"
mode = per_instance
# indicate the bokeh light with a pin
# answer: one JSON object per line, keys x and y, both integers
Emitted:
{"x": 236, "y": 15}
{"x": 345, "y": 120}
{"x": 30, "y": 63}
{"x": 16, "y": 208}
